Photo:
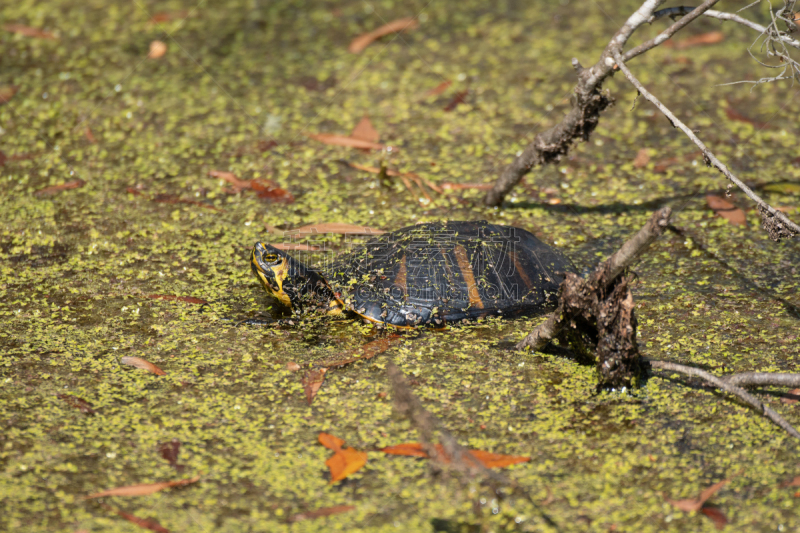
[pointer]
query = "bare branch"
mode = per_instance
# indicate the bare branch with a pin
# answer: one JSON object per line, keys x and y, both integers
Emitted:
{"x": 776, "y": 224}
{"x": 618, "y": 262}
{"x": 762, "y": 379}
{"x": 724, "y": 385}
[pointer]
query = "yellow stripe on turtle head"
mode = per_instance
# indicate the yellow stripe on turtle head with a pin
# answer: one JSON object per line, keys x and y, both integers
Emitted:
{"x": 272, "y": 271}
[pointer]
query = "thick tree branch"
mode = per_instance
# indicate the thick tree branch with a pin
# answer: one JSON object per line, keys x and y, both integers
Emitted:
{"x": 724, "y": 385}
{"x": 613, "y": 266}
{"x": 762, "y": 379}
{"x": 776, "y": 224}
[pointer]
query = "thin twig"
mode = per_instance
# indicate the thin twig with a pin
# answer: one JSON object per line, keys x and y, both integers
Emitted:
{"x": 786, "y": 228}
{"x": 614, "y": 265}
{"x": 723, "y": 385}
{"x": 763, "y": 379}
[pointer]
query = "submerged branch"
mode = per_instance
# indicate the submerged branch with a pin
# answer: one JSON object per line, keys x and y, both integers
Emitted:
{"x": 763, "y": 379}
{"x": 730, "y": 388}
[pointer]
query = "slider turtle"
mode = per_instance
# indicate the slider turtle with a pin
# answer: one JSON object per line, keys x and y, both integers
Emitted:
{"x": 427, "y": 274}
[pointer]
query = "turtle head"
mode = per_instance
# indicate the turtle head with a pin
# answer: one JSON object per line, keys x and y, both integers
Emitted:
{"x": 273, "y": 268}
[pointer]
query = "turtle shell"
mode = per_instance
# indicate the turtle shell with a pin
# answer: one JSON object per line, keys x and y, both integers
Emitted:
{"x": 443, "y": 272}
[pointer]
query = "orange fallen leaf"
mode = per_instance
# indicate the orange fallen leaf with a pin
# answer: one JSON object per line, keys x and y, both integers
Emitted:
{"x": 325, "y": 511}
{"x": 712, "y": 37}
{"x": 642, "y": 158}
{"x": 344, "y": 461}
{"x": 791, "y": 483}
{"x": 726, "y": 210}
{"x": 462, "y": 186}
{"x": 312, "y": 381}
{"x": 459, "y": 98}
{"x": 339, "y": 228}
{"x": 340, "y": 140}
{"x": 230, "y": 177}
{"x": 439, "y": 89}
{"x": 264, "y": 189}
{"x": 174, "y": 199}
{"x": 358, "y": 44}
{"x": 7, "y": 92}
{"x": 187, "y": 299}
{"x": 166, "y": 16}
{"x": 695, "y": 504}
{"x": 488, "y": 459}
{"x": 143, "y": 489}
{"x": 795, "y": 393}
{"x": 145, "y": 523}
{"x": 294, "y": 247}
{"x": 291, "y": 366}
{"x": 365, "y": 131}
{"x": 52, "y": 189}
{"x": 389, "y": 172}
{"x": 28, "y": 31}
{"x": 138, "y": 362}
{"x": 157, "y": 49}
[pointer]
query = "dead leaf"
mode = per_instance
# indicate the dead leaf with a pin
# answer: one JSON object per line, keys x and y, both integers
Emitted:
{"x": 796, "y": 394}
{"x": 712, "y": 37}
{"x": 339, "y": 228}
{"x": 695, "y": 504}
{"x": 28, "y": 31}
{"x": 726, "y": 210}
{"x": 187, "y": 299}
{"x": 459, "y": 98}
{"x": 138, "y": 362}
{"x": 293, "y": 247}
{"x": 143, "y": 489}
{"x": 7, "y": 92}
{"x": 157, "y": 49}
{"x": 325, "y": 511}
{"x": 642, "y": 158}
{"x": 448, "y": 186}
{"x": 78, "y": 403}
{"x": 89, "y": 135}
{"x": 230, "y": 177}
{"x": 169, "y": 451}
{"x": 52, "y": 189}
{"x": 488, "y": 459}
{"x": 166, "y": 16}
{"x": 733, "y": 114}
{"x": 312, "y": 381}
{"x": 439, "y": 89}
{"x": 358, "y": 44}
{"x": 264, "y": 189}
{"x": 344, "y": 461}
{"x": 291, "y": 366}
{"x": 368, "y": 351}
{"x": 365, "y": 131}
{"x": 716, "y": 516}
{"x": 339, "y": 140}
{"x": 389, "y": 172}
{"x": 792, "y": 483}
{"x": 146, "y": 523}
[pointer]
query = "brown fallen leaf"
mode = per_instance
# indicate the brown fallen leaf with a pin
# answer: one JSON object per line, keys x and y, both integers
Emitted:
{"x": 488, "y": 459}
{"x": 791, "y": 483}
{"x": 7, "y": 92}
{"x": 642, "y": 158}
{"x": 695, "y": 504}
{"x": 230, "y": 177}
{"x": 733, "y": 114}
{"x": 294, "y": 247}
{"x": 368, "y": 351}
{"x": 339, "y": 228}
{"x": 143, "y": 489}
{"x": 28, "y": 31}
{"x": 795, "y": 393}
{"x": 264, "y": 189}
{"x": 365, "y": 131}
{"x": 145, "y": 523}
{"x": 157, "y": 49}
{"x": 138, "y": 362}
{"x": 358, "y": 44}
{"x": 410, "y": 175}
{"x": 89, "y": 135}
{"x": 340, "y": 140}
{"x": 291, "y": 366}
{"x": 53, "y": 189}
{"x": 712, "y": 37}
{"x": 166, "y": 16}
{"x": 459, "y": 98}
{"x": 716, "y": 516}
{"x": 448, "y": 186}
{"x": 344, "y": 461}
{"x": 662, "y": 165}
{"x": 187, "y": 299}
{"x": 726, "y": 210}
{"x": 169, "y": 451}
{"x": 325, "y": 511}
{"x": 439, "y": 89}
{"x": 312, "y": 381}
{"x": 78, "y": 403}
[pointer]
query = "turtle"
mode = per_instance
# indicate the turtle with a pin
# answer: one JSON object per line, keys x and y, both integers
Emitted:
{"x": 427, "y": 274}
